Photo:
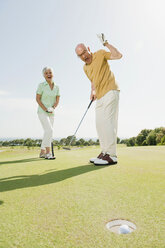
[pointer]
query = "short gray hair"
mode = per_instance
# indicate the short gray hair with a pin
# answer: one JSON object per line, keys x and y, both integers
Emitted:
{"x": 47, "y": 68}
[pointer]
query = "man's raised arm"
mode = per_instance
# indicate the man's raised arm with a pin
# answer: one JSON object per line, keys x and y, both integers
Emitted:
{"x": 115, "y": 54}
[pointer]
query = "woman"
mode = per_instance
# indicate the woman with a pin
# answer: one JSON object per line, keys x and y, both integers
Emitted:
{"x": 47, "y": 97}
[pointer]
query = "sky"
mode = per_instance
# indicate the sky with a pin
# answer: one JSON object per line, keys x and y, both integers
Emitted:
{"x": 39, "y": 33}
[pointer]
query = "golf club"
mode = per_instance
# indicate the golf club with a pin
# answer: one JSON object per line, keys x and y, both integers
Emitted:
{"x": 68, "y": 148}
{"x": 52, "y": 148}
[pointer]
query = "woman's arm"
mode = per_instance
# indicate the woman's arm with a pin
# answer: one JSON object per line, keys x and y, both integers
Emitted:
{"x": 38, "y": 99}
{"x": 57, "y": 102}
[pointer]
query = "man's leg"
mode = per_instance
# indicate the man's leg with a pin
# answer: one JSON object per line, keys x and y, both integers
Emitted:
{"x": 99, "y": 112}
{"x": 99, "y": 117}
{"x": 111, "y": 122}
{"x": 107, "y": 119}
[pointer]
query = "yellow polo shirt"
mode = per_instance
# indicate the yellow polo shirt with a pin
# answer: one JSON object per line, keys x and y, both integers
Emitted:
{"x": 100, "y": 74}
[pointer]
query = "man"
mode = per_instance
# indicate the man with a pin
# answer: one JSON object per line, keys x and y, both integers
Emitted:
{"x": 105, "y": 89}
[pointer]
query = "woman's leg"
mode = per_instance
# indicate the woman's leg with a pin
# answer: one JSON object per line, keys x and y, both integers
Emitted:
{"x": 46, "y": 122}
{"x": 51, "y": 122}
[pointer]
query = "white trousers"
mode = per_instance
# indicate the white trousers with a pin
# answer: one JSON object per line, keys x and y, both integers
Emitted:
{"x": 47, "y": 124}
{"x": 107, "y": 120}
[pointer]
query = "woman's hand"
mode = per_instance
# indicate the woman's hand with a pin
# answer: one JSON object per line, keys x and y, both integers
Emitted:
{"x": 50, "y": 110}
{"x": 57, "y": 102}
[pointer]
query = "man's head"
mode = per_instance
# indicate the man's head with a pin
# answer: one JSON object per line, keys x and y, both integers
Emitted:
{"x": 83, "y": 53}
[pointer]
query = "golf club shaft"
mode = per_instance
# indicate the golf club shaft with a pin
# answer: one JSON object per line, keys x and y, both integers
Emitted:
{"x": 52, "y": 149}
{"x": 80, "y": 122}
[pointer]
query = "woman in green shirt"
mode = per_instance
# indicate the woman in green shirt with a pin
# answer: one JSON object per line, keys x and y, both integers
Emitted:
{"x": 47, "y": 97}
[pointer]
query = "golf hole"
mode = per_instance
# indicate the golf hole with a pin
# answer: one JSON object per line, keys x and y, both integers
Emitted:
{"x": 121, "y": 226}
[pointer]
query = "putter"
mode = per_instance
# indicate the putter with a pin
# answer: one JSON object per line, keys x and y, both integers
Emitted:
{"x": 52, "y": 148}
{"x": 68, "y": 148}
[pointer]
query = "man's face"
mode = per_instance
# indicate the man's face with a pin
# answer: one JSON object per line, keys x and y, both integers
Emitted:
{"x": 84, "y": 55}
{"x": 48, "y": 74}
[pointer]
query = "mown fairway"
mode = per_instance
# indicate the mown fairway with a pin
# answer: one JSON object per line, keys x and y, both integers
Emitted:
{"x": 66, "y": 203}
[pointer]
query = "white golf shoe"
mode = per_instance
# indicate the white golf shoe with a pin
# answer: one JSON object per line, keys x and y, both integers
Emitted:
{"x": 106, "y": 160}
{"x": 42, "y": 155}
{"x": 49, "y": 156}
{"x": 98, "y": 157}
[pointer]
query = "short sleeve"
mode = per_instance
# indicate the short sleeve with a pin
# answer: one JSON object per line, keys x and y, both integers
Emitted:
{"x": 107, "y": 55}
{"x": 58, "y": 91}
{"x": 39, "y": 89}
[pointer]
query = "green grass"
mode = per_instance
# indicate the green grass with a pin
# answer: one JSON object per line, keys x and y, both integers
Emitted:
{"x": 67, "y": 202}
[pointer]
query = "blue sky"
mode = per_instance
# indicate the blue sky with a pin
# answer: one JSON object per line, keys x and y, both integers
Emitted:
{"x": 38, "y": 33}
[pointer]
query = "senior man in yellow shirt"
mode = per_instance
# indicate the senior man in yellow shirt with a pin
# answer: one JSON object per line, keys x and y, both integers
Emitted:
{"x": 105, "y": 89}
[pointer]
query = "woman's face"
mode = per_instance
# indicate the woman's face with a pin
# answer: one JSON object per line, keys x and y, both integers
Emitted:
{"x": 48, "y": 74}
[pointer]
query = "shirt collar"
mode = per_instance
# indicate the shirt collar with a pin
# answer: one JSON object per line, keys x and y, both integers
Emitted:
{"x": 46, "y": 83}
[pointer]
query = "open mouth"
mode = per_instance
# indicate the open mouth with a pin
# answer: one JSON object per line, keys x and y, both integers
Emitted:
{"x": 87, "y": 60}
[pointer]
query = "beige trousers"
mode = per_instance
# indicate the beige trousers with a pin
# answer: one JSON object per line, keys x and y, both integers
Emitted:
{"x": 107, "y": 120}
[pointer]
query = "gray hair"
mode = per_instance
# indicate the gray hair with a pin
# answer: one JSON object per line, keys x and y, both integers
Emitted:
{"x": 47, "y": 68}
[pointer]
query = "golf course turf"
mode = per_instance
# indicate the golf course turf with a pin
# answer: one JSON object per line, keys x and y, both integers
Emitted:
{"x": 66, "y": 203}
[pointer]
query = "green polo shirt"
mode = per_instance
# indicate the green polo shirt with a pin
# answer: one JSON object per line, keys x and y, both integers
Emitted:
{"x": 48, "y": 96}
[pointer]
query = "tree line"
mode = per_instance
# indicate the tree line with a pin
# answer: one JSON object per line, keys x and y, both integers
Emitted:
{"x": 147, "y": 137}
{"x": 37, "y": 142}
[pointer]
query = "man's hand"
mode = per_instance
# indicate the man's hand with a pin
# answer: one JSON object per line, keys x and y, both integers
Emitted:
{"x": 93, "y": 92}
{"x": 102, "y": 39}
{"x": 93, "y": 95}
{"x": 115, "y": 54}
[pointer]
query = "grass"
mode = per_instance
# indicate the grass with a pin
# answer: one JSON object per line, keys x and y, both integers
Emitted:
{"x": 66, "y": 203}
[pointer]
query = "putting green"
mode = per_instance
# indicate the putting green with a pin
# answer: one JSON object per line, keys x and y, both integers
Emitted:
{"x": 66, "y": 203}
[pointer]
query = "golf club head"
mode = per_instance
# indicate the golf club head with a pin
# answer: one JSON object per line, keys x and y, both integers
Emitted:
{"x": 66, "y": 148}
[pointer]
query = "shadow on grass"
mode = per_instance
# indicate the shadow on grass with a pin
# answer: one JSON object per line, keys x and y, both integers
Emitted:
{"x": 1, "y": 202}
{"x": 24, "y": 181}
{"x": 20, "y": 161}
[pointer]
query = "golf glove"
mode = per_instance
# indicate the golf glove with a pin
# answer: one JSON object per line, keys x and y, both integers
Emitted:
{"x": 102, "y": 38}
{"x": 50, "y": 110}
